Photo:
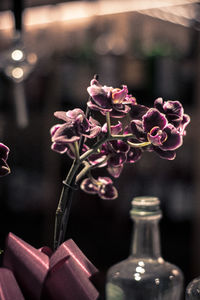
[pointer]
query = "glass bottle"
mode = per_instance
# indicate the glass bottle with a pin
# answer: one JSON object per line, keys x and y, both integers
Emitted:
{"x": 144, "y": 274}
{"x": 193, "y": 290}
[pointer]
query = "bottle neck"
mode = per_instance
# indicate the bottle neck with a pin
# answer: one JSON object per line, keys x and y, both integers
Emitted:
{"x": 146, "y": 238}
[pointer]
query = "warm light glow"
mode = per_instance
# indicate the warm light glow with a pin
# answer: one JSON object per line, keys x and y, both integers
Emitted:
{"x": 17, "y": 73}
{"x": 79, "y": 10}
{"x": 17, "y": 55}
{"x": 32, "y": 58}
{"x": 6, "y": 20}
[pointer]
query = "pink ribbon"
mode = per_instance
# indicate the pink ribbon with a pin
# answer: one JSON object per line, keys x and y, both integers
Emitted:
{"x": 33, "y": 274}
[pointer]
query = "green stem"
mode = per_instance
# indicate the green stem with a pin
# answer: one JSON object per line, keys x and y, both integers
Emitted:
{"x": 108, "y": 124}
{"x": 76, "y": 148}
{"x": 138, "y": 145}
{"x": 64, "y": 202}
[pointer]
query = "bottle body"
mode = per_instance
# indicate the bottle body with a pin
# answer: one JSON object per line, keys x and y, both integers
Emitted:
{"x": 144, "y": 274}
{"x": 141, "y": 279}
{"x": 193, "y": 290}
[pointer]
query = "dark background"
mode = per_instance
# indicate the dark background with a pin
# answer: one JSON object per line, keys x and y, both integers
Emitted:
{"x": 155, "y": 51}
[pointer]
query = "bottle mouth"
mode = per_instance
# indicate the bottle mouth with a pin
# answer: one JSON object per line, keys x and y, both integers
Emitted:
{"x": 145, "y": 206}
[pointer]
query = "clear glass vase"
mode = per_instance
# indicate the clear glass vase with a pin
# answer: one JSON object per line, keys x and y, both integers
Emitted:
{"x": 193, "y": 290}
{"x": 144, "y": 275}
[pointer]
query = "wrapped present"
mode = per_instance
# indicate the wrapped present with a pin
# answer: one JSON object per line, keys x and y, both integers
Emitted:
{"x": 40, "y": 274}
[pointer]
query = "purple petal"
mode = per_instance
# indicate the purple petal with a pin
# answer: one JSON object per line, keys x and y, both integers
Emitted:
{"x": 175, "y": 120}
{"x": 184, "y": 123}
{"x": 55, "y": 128}
{"x": 4, "y": 168}
{"x": 115, "y": 129}
{"x": 88, "y": 186}
{"x": 133, "y": 155}
{"x": 173, "y": 107}
{"x": 153, "y": 118}
{"x": 62, "y": 115}
{"x": 81, "y": 125}
{"x": 93, "y": 122}
{"x": 137, "y": 111}
{"x": 117, "y": 159}
{"x": 105, "y": 180}
{"x": 4, "y": 151}
{"x": 59, "y": 147}
{"x": 98, "y": 159}
{"x": 65, "y": 134}
{"x": 174, "y": 139}
{"x": 119, "y": 146}
{"x": 158, "y": 104}
{"x": 94, "y": 132}
{"x": 118, "y": 95}
{"x": 93, "y": 106}
{"x": 108, "y": 192}
{"x": 169, "y": 155}
{"x": 100, "y": 95}
{"x": 115, "y": 171}
{"x": 137, "y": 129}
{"x": 119, "y": 110}
{"x": 156, "y": 136}
{"x": 73, "y": 114}
{"x": 130, "y": 100}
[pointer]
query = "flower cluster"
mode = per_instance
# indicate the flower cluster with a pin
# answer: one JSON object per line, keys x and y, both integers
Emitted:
{"x": 160, "y": 128}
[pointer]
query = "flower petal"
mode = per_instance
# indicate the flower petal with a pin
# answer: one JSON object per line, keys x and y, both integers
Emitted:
{"x": 105, "y": 180}
{"x": 115, "y": 129}
{"x": 184, "y": 123}
{"x": 73, "y": 114}
{"x": 118, "y": 95}
{"x": 156, "y": 136}
{"x": 153, "y": 118}
{"x": 88, "y": 186}
{"x": 174, "y": 139}
{"x": 59, "y": 147}
{"x": 119, "y": 146}
{"x": 158, "y": 104}
{"x": 4, "y": 168}
{"x": 4, "y": 151}
{"x": 133, "y": 155}
{"x": 115, "y": 171}
{"x": 169, "y": 155}
{"x": 55, "y": 128}
{"x": 65, "y": 134}
{"x": 100, "y": 95}
{"x": 98, "y": 159}
{"x": 94, "y": 106}
{"x": 117, "y": 159}
{"x": 173, "y": 107}
{"x": 119, "y": 110}
{"x": 137, "y": 111}
{"x": 62, "y": 115}
{"x": 108, "y": 192}
{"x": 136, "y": 128}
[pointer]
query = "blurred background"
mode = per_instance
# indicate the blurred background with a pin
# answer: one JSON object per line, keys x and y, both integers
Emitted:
{"x": 49, "y": 52}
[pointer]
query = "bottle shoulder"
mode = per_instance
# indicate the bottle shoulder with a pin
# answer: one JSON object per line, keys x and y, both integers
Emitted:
{"x": 193, "y": 289}
{"x": 142, "y": 268}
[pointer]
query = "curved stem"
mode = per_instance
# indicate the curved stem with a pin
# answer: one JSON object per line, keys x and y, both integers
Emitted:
{"x": 138, "y": 145}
